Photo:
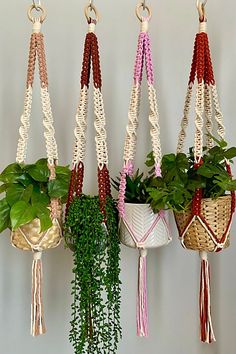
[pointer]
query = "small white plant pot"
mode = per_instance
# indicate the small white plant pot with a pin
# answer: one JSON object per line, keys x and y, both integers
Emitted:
{"x": 141, "y": 228}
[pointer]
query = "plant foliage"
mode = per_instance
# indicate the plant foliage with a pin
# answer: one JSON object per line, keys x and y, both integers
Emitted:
{"x": 180, "y": 179}
{"x": 28, "y": 192}
{"x": 95, "y": 324}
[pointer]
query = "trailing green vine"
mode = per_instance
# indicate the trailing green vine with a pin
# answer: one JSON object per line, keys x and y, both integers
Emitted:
{"x": 95, "y": 324}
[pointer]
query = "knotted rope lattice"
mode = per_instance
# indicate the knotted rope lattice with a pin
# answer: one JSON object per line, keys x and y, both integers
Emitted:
{"x": 207, "y": 108}
{"x": 90, "y": 60}
{"x": 143, "y": 57}
{"x": 23, "y": 237}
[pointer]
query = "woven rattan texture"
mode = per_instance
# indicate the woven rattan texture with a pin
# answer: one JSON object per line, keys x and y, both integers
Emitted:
{"x": 217, "y": 214}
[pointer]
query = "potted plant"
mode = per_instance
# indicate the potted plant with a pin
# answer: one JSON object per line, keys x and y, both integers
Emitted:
{"x": 177, "y": 187}
{"x": 199, "y": 187}
{"x": 26, "y": 206}
{"x": 91, "y": 225}
{"x": 31, "y": 207}
{"x": 140, "y": 226}
{"x": 148, "y": 229}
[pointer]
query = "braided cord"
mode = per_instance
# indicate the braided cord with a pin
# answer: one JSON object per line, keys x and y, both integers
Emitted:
{"x": 91, "y": 60}
{"x": 143, "y": 53}
{"x": 132, "y": 127}
{"x": 218, "y": 113}
{"x": 24, "y": 128}
{"x": 185, "y": 120}
{"x": 155, "y": 127}
{"x": 37, "y": 49}
{"x": 199, "y": 110}
{"x": 206, "y": 97}
{"x": 100, "y": 127}
{"x": 80, "y": 129}
{"x": 208, "y": 114}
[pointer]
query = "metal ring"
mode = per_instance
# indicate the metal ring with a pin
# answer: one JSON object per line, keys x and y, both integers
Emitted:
{"x": 199, "y": 2}
{"x": 37, "y": 6}
{"x": 91, "y": 8}
{"x": 40, "y": 18}
{"x": 201, "y": 10}
{"x": 144, "y": 7}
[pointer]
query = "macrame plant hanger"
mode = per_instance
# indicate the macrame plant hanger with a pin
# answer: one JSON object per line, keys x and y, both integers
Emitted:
{"x": 207, "y": 107}
{"x": 129, "y": 236}
{"x": 90, "y": 60}
{"x": 26, "y": 238}
{"x": 88, "y": 326}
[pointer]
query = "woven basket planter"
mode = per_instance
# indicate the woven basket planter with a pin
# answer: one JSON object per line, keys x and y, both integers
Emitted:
{"x": 26, "y": 236}
{"x": 140, "y": 220}
{"x": 217, "y": 213}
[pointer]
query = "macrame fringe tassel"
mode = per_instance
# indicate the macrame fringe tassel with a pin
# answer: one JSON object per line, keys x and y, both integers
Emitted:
{"x": 37, "y": 315}
{"x": 207, "y": 333}
{"x": 142, "y": 308}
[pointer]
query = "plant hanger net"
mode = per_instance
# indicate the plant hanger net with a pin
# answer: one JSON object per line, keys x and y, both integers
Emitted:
{"x": 91, "y": 225}
{"x": 29, "y": 237}
{"x": 206, "y": 226}
{"x": 133, "y": 234}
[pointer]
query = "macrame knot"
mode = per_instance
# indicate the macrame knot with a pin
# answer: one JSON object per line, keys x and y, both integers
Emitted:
{"x": 36, "y": 27}
{"x": 37, "y": 255}
{"x": 144, "y": 25}
{"x": 203, "y": 27}
{"x": 143, "y": 252}
{"x": 91, "y": 27}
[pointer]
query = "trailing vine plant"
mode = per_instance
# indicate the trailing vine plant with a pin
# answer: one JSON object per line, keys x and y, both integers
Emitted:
{"x": 95, "y": 324}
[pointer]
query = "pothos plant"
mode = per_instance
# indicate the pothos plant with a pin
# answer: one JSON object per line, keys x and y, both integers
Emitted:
{"x": 180, "y": 179}
{"x": 28, "y": 192}
{"x": 95, "y": 325}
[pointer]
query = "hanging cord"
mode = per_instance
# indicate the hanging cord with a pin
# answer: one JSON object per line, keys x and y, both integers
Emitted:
{"x": 206, "y": 103}
{"x": 37, "y": 51}
{"x": 143, "y": 55}
{"x": 91, "y": 60}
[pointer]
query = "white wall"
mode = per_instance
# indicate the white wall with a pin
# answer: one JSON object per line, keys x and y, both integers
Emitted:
{"x": 172, "y": 272}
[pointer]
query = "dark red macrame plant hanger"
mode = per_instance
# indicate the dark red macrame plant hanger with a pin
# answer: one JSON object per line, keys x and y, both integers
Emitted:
{"x": 207, "y": 105}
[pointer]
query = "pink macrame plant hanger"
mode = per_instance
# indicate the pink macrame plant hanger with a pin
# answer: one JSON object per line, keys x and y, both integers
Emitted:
{"x": 139, "y": 227}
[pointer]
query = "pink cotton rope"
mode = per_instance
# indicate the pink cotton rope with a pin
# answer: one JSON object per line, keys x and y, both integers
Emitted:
{"x": 157, "y": 170}
{"x": 126, "y": 171}
{"x": 143, "y": 53}
{"x": 142, "y": 307}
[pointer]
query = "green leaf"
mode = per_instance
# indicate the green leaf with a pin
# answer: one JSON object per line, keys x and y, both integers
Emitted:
{"x": 57, "y": 188}
{"x": 4, "y": 214}
{"x": 11, "y": 173}
{"x": 27, "y": 193}
{"x": 230, "y": 153}
{"x": 3, "y": 187}
{"x": 43, "y": 214}
{"x": 39, "y": 172}
{"x": 25, "y": 179}
{"x": 39, "y": 197}
{"x": 222, "y": 143}
{"x": 150, "y": 160}
{"x": 63, "y": 170}
{"x": 14, "y": 193}
{"x": 21, "y": 213}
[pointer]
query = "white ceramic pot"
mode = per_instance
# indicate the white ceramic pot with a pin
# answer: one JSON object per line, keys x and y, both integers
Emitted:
{"x": 142, "y": 228}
